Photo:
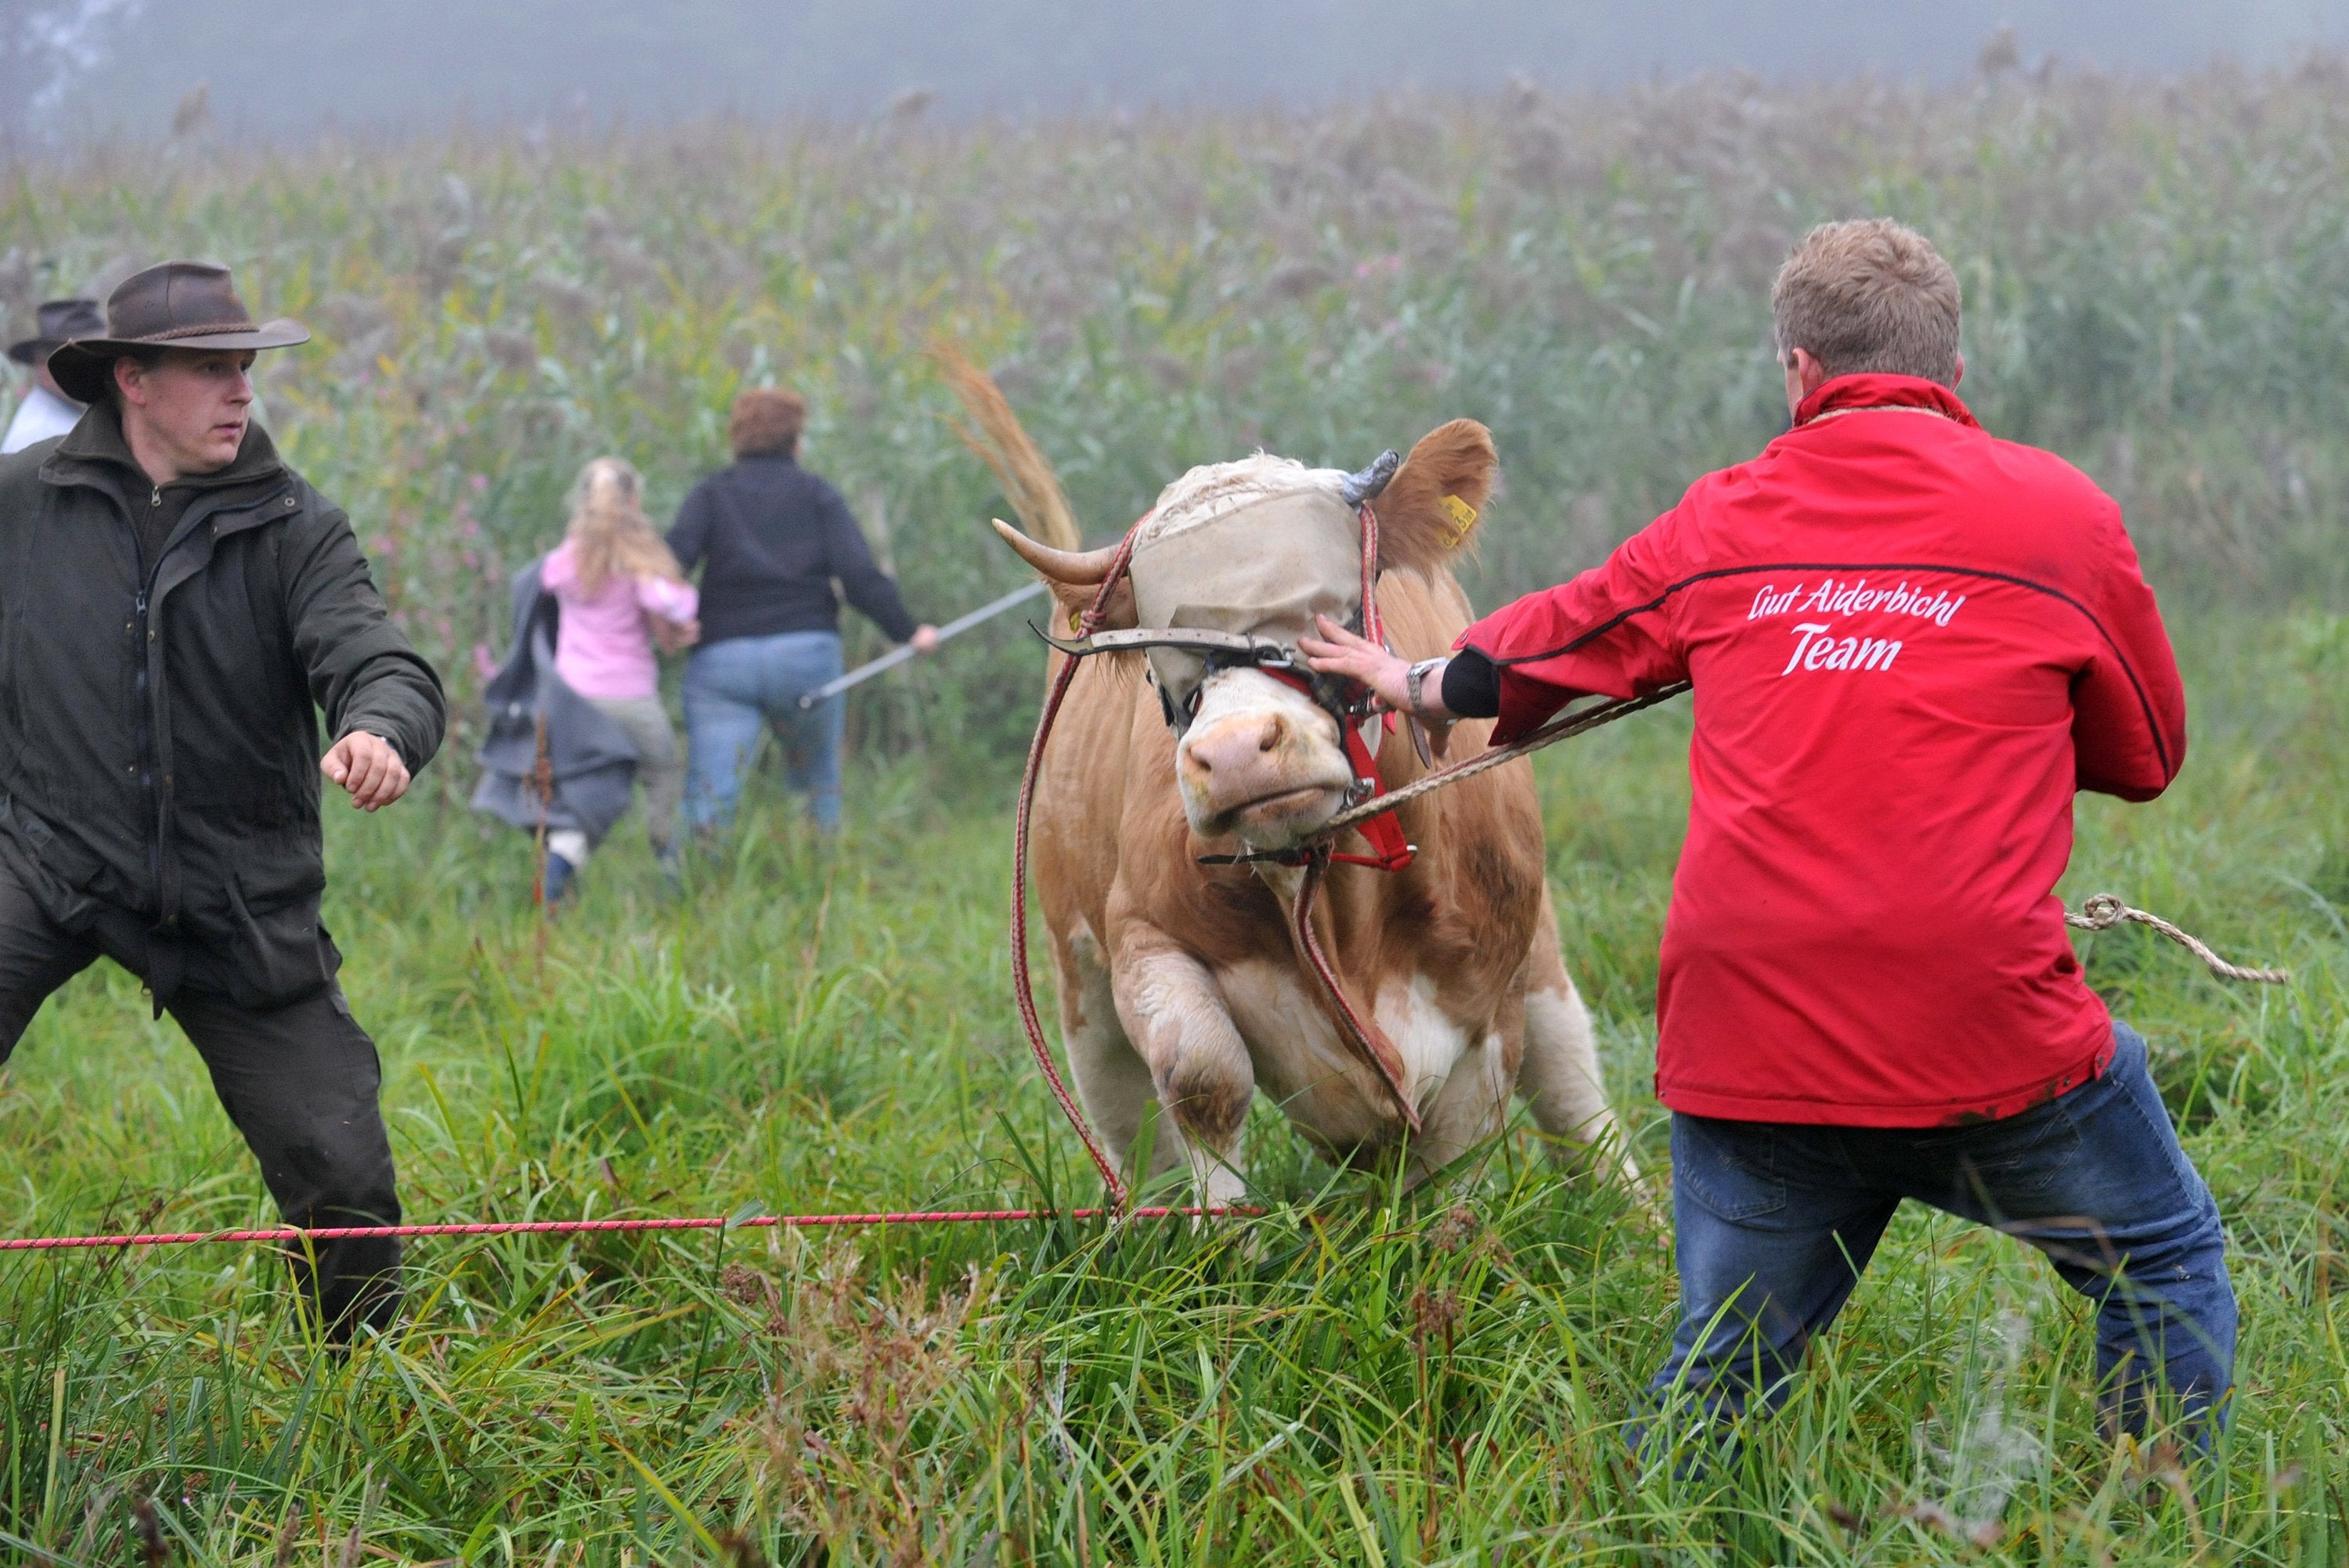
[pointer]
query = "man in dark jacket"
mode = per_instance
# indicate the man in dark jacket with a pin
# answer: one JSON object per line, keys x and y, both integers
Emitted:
{"x": 772, "y": 539}
{"x": 176, "y": 605}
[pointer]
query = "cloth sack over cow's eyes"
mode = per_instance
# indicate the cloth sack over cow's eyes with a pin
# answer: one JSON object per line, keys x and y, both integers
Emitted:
{"x": 1258, "y": 547}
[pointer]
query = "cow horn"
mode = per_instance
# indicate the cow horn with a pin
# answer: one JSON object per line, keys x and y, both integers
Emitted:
{"x": 1076, "y": 568}
{"x": 1366, "y": 485}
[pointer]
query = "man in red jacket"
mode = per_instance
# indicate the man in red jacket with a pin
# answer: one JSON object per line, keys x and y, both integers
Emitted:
{"x": 1910, "y": 643}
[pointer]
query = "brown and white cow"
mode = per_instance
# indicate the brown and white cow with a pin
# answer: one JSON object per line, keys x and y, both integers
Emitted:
{"x": 1179, "y": 983}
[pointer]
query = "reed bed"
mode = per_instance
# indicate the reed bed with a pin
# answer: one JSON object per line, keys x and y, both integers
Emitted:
{"x": 2157, "y": 273}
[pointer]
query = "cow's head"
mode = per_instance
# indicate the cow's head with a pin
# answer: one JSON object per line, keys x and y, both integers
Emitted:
{"x": 1259, "y": 547}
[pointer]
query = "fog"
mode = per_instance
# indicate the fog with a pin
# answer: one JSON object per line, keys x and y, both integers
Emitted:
{"x": 73, "y": 69}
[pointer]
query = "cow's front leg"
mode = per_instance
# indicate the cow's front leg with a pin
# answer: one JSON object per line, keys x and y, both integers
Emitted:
{"x": 1113, "y": 1082}
{"x": 1176, "y": 1015}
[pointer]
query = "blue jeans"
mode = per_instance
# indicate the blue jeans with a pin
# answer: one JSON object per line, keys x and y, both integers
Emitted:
{"x": 731, "y": 689}
{"x": 1776, "y": 1220}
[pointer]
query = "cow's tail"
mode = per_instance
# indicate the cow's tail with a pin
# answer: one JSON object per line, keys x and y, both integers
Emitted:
{"x": 994, "y": 432}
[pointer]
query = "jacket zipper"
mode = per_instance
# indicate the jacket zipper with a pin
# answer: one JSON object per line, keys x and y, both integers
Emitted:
{"x": 148, "y": 759}
{"x": 144, "y": 637}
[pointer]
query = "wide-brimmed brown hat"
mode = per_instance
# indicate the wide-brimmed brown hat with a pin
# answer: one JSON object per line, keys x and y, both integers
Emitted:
{"x": 58, "y": 321}
{"x": 179, "y": 304}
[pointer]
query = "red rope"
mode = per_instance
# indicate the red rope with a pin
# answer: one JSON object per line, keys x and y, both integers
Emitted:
{"x": 1023, "y": 980}
{"x": 581, "y": 1227}
{"x": 1369, "y": 1043}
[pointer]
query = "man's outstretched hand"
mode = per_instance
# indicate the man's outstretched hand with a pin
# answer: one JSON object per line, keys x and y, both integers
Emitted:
{"x": 1338, "y": 652}
{"x": 367, "y": 767}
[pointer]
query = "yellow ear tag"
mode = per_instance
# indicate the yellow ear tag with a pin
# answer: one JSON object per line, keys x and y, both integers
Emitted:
{"x": 1076, "y": 619}
{"x": 1464, "y": 518}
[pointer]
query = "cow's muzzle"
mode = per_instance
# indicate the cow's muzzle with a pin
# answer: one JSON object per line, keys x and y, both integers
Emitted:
{"x": 1261, "y": 762}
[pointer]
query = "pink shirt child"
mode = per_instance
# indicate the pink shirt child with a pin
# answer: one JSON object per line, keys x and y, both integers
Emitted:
{"x": 603, "y": 648}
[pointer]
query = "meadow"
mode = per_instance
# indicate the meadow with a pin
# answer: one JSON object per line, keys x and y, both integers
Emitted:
{"x": 2157, "y": 286}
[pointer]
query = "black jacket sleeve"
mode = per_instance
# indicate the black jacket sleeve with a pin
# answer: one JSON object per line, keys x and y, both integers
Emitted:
{"x": 1472, "y": 685}
{"x": 688, "y": 536}
{"x": 363, "y": 672}
{"x": 850, "y": 560}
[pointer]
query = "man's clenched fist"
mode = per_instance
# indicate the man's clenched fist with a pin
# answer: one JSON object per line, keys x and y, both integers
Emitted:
{"x": 367, "y": 767}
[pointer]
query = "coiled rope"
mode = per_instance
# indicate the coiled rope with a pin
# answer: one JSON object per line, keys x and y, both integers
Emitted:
{"x": 2102, "y": 911}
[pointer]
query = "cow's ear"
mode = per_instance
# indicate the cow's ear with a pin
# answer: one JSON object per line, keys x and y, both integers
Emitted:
{"x": 1068, "y": 601}
{"x": 1429, "y": 510}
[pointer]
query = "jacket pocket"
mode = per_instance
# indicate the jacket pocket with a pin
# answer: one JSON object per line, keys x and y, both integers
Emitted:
{"x": 277, "y": 950}
{"x": 56, "y": 875}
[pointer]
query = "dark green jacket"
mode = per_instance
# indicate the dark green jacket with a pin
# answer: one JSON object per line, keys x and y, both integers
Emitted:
{"x": 159, "y": 736}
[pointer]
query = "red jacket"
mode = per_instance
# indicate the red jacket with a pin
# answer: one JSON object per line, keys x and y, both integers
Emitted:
{"x": 1911, "y": 643}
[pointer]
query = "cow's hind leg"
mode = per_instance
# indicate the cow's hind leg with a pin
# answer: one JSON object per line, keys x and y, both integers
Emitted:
{"x": 1559, "y": 1076}
{"x": 1199, "y": 1067}
{"x": 1111, "y": 1082}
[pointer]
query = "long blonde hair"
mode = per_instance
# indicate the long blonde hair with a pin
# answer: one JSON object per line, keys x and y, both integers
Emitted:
{"x": 608, "y": 526}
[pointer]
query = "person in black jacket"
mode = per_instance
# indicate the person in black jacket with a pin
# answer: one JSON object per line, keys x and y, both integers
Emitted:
{"x": 176, "y": 608}
{"x": 770, "y": 539}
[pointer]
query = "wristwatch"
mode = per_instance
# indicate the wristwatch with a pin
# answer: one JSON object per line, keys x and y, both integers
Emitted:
{"x": 1411, "y": 685}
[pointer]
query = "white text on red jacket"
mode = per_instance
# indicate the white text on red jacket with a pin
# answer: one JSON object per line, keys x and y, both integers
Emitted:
{"x": 1816, "y": 648}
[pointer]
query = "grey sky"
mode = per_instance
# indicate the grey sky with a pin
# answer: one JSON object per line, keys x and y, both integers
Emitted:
{"x": 285, "y": 67}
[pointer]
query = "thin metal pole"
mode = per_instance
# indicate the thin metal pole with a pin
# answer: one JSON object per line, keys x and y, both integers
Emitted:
{"x": 899, "y": 655}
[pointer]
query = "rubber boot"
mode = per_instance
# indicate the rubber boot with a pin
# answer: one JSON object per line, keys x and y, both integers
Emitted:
{"x": 558, "y": 879}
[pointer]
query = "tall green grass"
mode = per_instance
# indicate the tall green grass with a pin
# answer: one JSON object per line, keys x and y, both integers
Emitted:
{"x": 2155, "y": 285}
{"x": 1361, "y": 1375}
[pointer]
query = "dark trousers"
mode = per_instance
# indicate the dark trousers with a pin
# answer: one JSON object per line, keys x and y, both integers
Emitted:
{"x": 299, "y": 1082}
{"x": 1775, "y": 1223}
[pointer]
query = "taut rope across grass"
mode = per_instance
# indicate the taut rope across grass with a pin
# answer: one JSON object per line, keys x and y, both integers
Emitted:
{"x": 2100, "y": 911}
{"x": 587, "y": 1227}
